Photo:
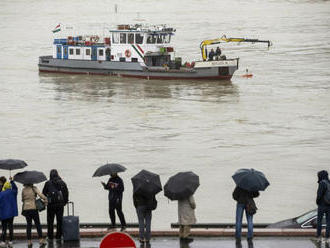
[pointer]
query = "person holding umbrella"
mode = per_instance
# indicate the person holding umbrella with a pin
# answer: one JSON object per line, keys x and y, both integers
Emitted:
{"x": 115, "y": 186}
{"x": 29, "y": 208}
{"x": 248, "y": 184}
{"x": 181, "y": 187}
{"x": 8, "y": 209}
{"x": 145, "y": 186}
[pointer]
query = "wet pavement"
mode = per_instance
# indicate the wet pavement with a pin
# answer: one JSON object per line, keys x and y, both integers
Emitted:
{"x": 266, "y": 242}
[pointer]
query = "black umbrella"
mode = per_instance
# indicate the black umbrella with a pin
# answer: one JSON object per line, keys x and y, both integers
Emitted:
{"x": 181, "y": 185}
{"x": 108, "y": 169}
{"x": 30, "y": 177}
{"x": 146, "y": 183}
{"x": 12, "y": 164}
{"x": 250, "y": 179}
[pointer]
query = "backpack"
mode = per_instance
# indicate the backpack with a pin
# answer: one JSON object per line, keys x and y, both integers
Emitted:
{"x": 251, "y": 207}
{"x": 55, "y": 196}
{"x": 326, "y": 196}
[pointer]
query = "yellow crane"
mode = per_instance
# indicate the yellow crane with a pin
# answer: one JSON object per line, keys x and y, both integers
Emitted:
{"x": 223, "y": 39}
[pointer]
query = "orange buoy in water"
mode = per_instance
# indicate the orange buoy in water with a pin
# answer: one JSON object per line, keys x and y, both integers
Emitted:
{"x": 247, "y": 75}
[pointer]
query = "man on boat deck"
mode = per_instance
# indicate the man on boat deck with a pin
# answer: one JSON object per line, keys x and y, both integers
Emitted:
{"x": 218, "y": 53}
{"x": 211, "y": 55}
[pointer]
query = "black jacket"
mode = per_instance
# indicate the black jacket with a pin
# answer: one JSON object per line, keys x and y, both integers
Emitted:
{"x": 322, "y": 180}
{"x": 140, "y": 200}
{"x": 115, "y": 186}
{"x": 241, "y": 195}
{"x": 59, "y": 184}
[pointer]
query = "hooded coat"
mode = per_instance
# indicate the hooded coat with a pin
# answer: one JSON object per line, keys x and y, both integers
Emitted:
{"x": 8, "y": 202}
{"x": 186, "y": 211}
{"x": 323, "y": 180}
{"x": 56, "y": 181}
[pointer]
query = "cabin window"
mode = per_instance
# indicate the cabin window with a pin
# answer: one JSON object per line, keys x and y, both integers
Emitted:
{"x": 167, "y": 38}
{"x": 77, "y": 51}
{"x": 115, "y": 38}
{"x": 65, "y": 51}
{"x": 71, "y": 51}
{"x": 88, "y": 52}
{"x": 159, "y": 39}
{"x": 134, "y": 60}
{"x": 59, "y": 49}
{"x": 101, "y": 52}
{"x": 130, "y": 38}
{"x": 151, "y": 39}
{"x": 138, "y": 38}
{"x": 123, "y": 38}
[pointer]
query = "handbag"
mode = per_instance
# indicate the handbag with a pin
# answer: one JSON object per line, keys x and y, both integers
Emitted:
{"x": 40, "y": 205}
{"x": 251, "y": 207}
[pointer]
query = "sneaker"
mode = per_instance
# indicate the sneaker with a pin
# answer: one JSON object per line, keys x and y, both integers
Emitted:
{"x": 10, "y": 244}
{"x": 123, "y": 228}
{"x": 3, "y": 244}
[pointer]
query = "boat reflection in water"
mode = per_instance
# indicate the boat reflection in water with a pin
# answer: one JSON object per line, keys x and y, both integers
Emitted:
{"x": 101, "y": 88}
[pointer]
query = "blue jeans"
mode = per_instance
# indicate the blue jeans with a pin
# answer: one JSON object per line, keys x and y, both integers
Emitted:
{"x": 144, "y": 217}
{"x": 320, "y": 212}
{"x": 239, "y": 216}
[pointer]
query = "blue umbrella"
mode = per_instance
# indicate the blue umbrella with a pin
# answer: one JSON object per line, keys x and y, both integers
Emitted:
{"x": 250, "y": 179}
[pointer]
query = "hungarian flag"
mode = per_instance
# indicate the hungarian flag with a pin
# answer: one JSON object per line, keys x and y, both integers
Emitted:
{"x": 57, "y": 28}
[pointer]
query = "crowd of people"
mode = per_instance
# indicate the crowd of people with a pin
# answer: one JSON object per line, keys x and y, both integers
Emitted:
{"x": 54, "y": 187}
{"x": 55, "y": 195}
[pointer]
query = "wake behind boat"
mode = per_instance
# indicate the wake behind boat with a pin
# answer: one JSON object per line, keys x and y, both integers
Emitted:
{"x": 137, "y": 51}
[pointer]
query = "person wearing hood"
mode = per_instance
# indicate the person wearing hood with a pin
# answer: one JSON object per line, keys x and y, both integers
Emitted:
{"x": 115, "y": 186}
{"x": 58, "y": 195}
{"x": 8, "y": 209}
{"x": 323, "y": 208}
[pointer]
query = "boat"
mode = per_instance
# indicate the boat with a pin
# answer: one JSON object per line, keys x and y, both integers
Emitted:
{"x": 136, "y": 51}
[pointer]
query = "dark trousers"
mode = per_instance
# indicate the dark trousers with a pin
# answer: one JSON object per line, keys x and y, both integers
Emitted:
{"x": 29, "y": 216}
{"x": 116, "y": 206}
{"x": 320, "y": 212}
{"x": 144, "y": 217}
{"x": 53, "y": 211}
{"x": 7, "y": 223}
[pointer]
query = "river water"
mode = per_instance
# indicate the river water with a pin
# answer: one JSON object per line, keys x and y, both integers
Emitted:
{"x": 276, "y": 122}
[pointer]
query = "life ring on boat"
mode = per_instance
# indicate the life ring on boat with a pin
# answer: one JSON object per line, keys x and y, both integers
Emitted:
{"x": 128, "y": 53}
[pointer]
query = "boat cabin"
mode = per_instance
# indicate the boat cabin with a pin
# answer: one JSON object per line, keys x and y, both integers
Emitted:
{"x": 148, "y": 45}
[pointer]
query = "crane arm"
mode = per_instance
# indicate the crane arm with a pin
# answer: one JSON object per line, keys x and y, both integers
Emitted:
{"x": 223, "y": 39}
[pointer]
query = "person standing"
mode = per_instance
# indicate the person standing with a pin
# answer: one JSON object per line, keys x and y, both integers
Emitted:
{"x": 211, "y": 55}
{"x": 29, "y": 194}
{"x": 58, "y": 195}
{"x": 115, "y": 186}
{"x": 186, "y": 216}
{"x": 8, "y": 210}
{"x": 323, "y": 207}
{"x": 245, "y": 202}
{"x": 218, "y": 53}
{"x": 144, "y": 206}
